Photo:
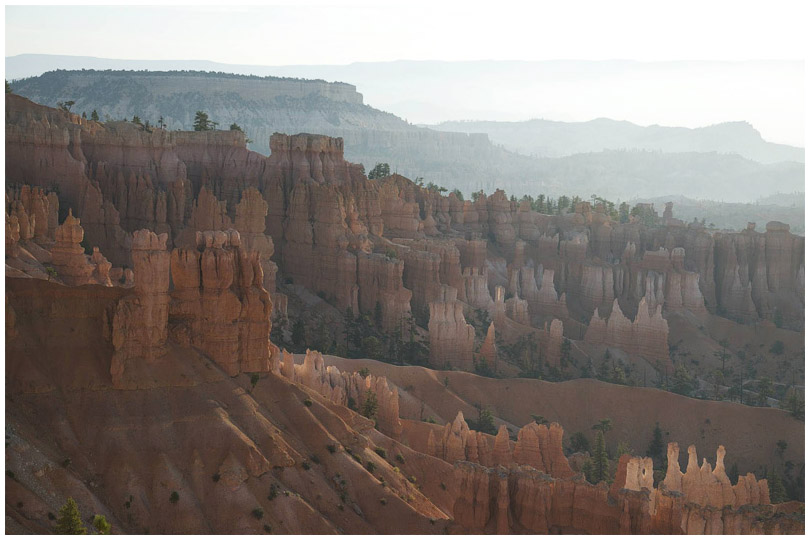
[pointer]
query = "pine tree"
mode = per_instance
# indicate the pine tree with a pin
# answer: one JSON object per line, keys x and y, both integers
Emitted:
{"x": 587, "y": 470}
{"x": 298, "y": 333}
{"x": 378, "y": 314}
{"x": 69, "y": 521}
{"x": 656, "y": 448}
{"x": 202, "y": 123}
{"x": 601, "y": 464}
{"x": 486, "y": 422}
{"x": 369, "y": 408}
{"x": 776, "y": 487}
{"x": 101, "y": 524}
{"x": 380, "y": 170}
{"x": 94, "y": 116}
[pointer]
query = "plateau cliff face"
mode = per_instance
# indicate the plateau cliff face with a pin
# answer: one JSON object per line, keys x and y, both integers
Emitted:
{"x": 455, "y": 158}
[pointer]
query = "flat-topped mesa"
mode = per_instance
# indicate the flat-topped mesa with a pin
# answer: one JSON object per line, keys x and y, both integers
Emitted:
{"x": 219, "y": 304}
{"x": 646, "y": 336}
{"x": 300, "y": 157}
{"x": 451, "y": 339}
{"x": 140, "y": 323}
{"x": 342, "y": 387}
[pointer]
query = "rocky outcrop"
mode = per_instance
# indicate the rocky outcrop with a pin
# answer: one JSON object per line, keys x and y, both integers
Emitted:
{"x": 451, "y": 338}
{"x": 380, "y": 284}
{"x": 646, "y": 336}
{"x": 706, "y": 487}
{"x": 219, "y": 304}
{"x": 140, "y": 323}
{"x": 523, "y": 499}
{"x": 347, "y": 388}
{"x": 489, "y": 350}
{"x": 475, "y": 291}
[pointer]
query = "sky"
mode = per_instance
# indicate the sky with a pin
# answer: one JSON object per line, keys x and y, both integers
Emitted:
{"x": 304, "y": 34}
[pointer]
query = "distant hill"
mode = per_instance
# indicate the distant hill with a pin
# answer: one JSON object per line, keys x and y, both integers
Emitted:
{"x": 736, "y": 216}
{"x": 555, "y": 139}
{"x": 262, "y": 105}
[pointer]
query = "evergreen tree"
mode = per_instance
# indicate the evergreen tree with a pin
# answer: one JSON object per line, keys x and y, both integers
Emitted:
{"x": 69, "y": 521}
{"x": 94, "y": 116}
{"x": 202, "y": 123}
{"x": 601, "y": 464}
{"x": 298, "y": 333}
{"x": 8, "y": 87}
{"x": 161, "y": 122}
{"x": 378, "y": 315}
{"x": 565, "y": 352}
{"x": 369, "y": 408}
{"x": 380, "y": 170}
{"x": 776, "y": 487}
{"x": 101, "y": 524}
{"x": 486, "y": 422}
{"x": 587, "y": 470}
{"x": 579, "y": 443}
{"x": 656, "y": 448}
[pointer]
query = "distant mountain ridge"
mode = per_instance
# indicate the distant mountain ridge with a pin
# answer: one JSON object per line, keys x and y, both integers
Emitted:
{"x": 467, "y": 161}
{"x": 548, "y": 138}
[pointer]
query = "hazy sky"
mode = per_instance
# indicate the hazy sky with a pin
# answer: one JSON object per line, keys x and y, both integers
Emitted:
{"x": 339, "y": 34}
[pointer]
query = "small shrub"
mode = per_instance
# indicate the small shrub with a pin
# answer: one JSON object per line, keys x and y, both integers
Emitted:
{"x": 383, "y": 502}
{"x": 340, "y": 507}
{"x": 51, "y": 516}
{"x": 381, "y": 452}
{"x": 273, "y": 492}
{"x": 20, "y": 504}
{"x": 364, "y": 372}
{"x": 443, "y": 486}
{"x": 10, "y": 474}
{"x": 370, "y": 467}
{"x": 315, "y": 459}
{"x": 101, "y": 524}
{"x": 254, "y": 380}
{"x": 432, "y": 521}
{"x": 399, "y": 458}
{"x": 332, "y": 448}
{"x": 412, "y": 479}
{"x": 308, "y": 402}
{"x": 396, "y": 470}
{"x": 267, "y": 528}
{"x": 258, "y": 512}
{"x": 66, "y": 463}
{"x": 216, "y": 477}
{"x": 174, "y": 497}
{"x": 306, "y": 465}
